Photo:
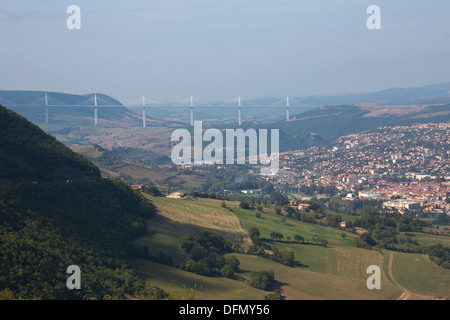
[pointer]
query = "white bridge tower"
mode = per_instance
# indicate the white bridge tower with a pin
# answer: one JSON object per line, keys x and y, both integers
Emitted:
{"x": 143, "y": 112}
{"x": 239, "y": 111}
{"x": 192, "y": 111}
{"x": 287, "y": 108}
{"x": 95, "y": 110}
{"x": 46, "y": 108}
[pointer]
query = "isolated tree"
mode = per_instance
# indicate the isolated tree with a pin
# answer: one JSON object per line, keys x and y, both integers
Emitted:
{"x": 299, "y": 238}
{"x": 323, "y": 242}
{"x": 254, "y": 235}
{"x": 276, "y": 295}
{"x": 276, "y": 236}
{"x": 287, "y": 258}
{"x": 152, "y": 190}
{"x": 261, "y": 279}
{"x": 253, "y": 232}
{"x": 244, "y": 204}
{"x": 227, "y": 271}
{"x": 290, "y": 211}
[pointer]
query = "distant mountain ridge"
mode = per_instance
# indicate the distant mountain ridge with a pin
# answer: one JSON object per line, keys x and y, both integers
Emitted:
{"x": 31, "y": 98}
{"x": 429, "y": 94}
{"x": 422, "y": 95}
{"x": 321, "y": 125}
{"x": 67, "y": 109}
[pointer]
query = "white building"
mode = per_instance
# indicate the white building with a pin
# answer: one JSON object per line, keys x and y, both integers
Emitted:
{"x": 402, "y": 204}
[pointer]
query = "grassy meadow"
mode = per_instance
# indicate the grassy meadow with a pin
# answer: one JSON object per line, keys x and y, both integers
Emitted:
{"x": 337, "y": 271}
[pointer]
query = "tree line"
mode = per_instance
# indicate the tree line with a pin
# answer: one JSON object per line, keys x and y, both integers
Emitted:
{"x": 44, "y": 228}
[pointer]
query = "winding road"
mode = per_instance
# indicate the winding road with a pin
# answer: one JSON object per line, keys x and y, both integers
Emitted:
{"x": 405, "y": 294}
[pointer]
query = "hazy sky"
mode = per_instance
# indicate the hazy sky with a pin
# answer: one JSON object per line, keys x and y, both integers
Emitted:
{"x": 217, "y": 49}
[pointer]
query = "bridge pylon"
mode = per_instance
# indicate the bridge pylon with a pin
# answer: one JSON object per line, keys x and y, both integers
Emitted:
{"x": 144, "y": 121}
{"x": 192, "y": 111}
{"x": 287, "y": 108}
{"x": 239, "y": 111}
{"x": 46, "y": 108}
{"x": 95, "y": 110}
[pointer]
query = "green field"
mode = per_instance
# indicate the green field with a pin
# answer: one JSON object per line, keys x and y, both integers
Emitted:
{"x": 200, "y": 213}
{"x": 177, "y": 218}
{"x": 334, "y": 272}
{"x": 209, "y": 288}
{"x": 419, "y": 275}
{"x": 269, "y": 222}
{"x": 431, "y": 239}
{"x": 308, "y": 283}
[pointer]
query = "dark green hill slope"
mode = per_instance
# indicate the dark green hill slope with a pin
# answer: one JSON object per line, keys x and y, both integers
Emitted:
{"x": 52, "y": 223}
{"x": 29, "y": 154}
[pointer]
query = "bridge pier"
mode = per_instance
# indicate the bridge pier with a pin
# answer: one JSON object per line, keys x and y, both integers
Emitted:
{"x": 239, "y": 111}
{"x": 144, "y": 124}
{"x": 192, "y": 111}
{"x": 95, "y": 110}
{"x": 46, "y": 108}
{"x": 143, "y": 118}
{"x": 287, "y": 108}
{"x": 240, "y": 116}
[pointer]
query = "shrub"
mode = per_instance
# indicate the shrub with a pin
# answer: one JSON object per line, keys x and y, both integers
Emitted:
{"x": 261, "y": 279}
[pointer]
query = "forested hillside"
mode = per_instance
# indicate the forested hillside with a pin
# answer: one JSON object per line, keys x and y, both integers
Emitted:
{"x": 29, "y": 154}
{"x": 56, "y": 211}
